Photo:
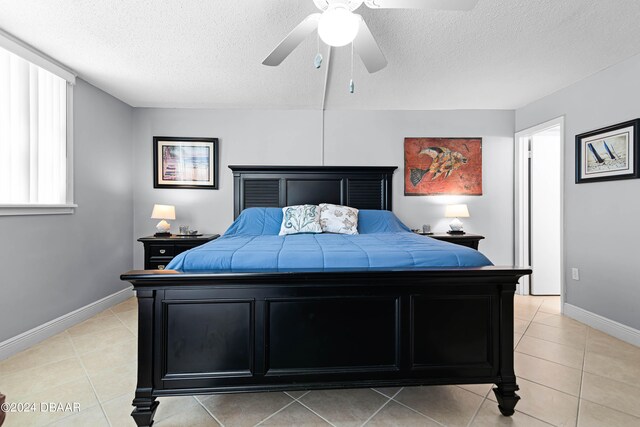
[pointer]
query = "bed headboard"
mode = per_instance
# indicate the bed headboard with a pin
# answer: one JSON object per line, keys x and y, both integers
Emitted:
{"x": 362, "y": 187}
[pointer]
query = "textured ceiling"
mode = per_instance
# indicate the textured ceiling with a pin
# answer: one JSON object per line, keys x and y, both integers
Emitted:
{"x": 208, "y": 53}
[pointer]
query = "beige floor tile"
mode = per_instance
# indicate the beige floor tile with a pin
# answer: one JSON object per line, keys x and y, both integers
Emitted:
{"x": 103, "y": 313}
{"x": 113, "y": 382}
{"x": 297, "y": 394}
{"x": 611, "y": 393}
{"x": 573, "y": 338}
{"x": 33, "y": 418}
{"x": 102, "y": 339}
{"x": 118, "y": 411}
{"x": 389, "y": 391}
{"x": 295, "y": 415}
{"x": 594, "y": 415}
{"x": 546, "y": 404}
{"x": 601, "y": 343}
{"x": 171, "y": 405}
{"x": 449, "y": 405}
{"x": 479, "y": 389}
{"x": 395, "y": 415}
{"x": 528, "y": 300}
{"x": 558, "y": 321}
{"x": 551, "y": 374}
{"x": 129, "y": 318}
{"x": 245, "y": 409}
{"x": 93, "y": 417}
{"x": 347, "y": 408}
{"x": 128, "y": 305}
{"x": 559, "y": 353}
{"x": 490, "y": 416}
{"x": 50, "y": 350}
{"x": 524, "y": 312}
{"x": 21, "y": 384}
{"x": 551, "y": 305}
{"x": 78, "y": 391}
{"x": 520, "y": 326}
{"x": 626, "y": 371}
{"x": 192, "y": 417}
{"x": 516, "y": 339}
{"x": 117, "y": 355}
{"x": 99, "y": 323}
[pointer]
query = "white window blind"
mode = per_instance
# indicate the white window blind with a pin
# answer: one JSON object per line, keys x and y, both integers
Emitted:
{"x": 33, "y": 134}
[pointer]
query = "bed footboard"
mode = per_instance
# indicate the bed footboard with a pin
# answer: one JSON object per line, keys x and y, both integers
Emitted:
{"x": 267, "y": 331}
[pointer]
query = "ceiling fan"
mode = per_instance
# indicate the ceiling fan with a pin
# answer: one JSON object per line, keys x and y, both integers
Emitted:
{"x": 337, "y": 26}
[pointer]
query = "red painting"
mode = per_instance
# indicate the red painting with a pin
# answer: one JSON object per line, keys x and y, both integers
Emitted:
{"x": 442, "y": 166}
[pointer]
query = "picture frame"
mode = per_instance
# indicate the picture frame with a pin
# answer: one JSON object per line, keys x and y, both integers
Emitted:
{"x": 442, "y": 166}
{"x": 180, "y": 162}
{"x": 607, "y": 154}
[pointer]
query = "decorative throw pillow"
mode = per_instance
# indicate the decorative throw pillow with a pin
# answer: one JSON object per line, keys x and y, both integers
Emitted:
{"x": 300, "y": 219}
{"x": 338, "y": 219}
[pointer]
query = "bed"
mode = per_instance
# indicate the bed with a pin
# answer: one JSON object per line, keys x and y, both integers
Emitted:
{"x": 253, "y": 311}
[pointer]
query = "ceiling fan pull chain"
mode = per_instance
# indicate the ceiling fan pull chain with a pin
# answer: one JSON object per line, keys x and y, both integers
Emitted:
{"x": 317, "y": 61}
{"x": 352, "y": 87}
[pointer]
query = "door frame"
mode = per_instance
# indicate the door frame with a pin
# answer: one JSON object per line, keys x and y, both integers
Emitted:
{"x": 521, "y": 199}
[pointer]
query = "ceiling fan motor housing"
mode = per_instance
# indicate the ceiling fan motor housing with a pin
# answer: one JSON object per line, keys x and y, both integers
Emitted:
{"x": 338, "y": 26}
{"x": 350, "y": 4}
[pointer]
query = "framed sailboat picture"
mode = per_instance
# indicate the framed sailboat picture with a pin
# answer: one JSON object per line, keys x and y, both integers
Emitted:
{"x": 185, "y": 163}
{"x": 607, "y": 154}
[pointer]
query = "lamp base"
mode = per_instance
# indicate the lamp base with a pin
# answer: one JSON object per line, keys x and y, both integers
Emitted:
{"x": 455, "y": 227}
{"x": 163, "y": 228}
{"x": 163, "y": 234}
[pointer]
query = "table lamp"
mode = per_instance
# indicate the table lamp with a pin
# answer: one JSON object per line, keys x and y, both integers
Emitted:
{"x": 163, "y": 212}
{"x": 456, "y": 212}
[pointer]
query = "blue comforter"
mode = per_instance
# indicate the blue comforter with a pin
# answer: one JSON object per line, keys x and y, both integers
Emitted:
{"x": 252, "y": 243}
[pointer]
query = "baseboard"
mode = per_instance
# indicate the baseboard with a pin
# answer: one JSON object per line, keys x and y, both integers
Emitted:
{"x": 40, "y": 333}
{"x": 608, "y": 326}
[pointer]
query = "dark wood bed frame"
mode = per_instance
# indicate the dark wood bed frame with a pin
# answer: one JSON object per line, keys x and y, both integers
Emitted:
{"x": 228, "y": 332}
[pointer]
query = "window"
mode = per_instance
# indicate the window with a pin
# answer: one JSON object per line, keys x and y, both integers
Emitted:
{"x": 35, "y": 142}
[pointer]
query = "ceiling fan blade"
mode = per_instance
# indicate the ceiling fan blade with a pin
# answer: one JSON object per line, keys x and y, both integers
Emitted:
{"x": 368, "y": 49}
{"x": 422, "y": 4}
{"x": 293, "y": 39}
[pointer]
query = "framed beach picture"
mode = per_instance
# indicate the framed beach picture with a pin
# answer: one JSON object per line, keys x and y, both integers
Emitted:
{"x": 607, "y": 154}
{"x": 434, "y": 166}
{"x": 185, "y": 162}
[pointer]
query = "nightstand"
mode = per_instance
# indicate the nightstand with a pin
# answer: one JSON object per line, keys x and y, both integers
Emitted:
{"x": 469, "y": 240}
{"x": 158, "y": 251}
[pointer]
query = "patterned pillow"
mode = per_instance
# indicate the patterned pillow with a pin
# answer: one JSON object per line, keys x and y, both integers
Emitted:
{"x": 338, "y": 219}
{"x": 300, "y": 219}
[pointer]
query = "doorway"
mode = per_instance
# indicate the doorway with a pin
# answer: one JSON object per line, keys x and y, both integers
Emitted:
{"x": 539, "y": 207}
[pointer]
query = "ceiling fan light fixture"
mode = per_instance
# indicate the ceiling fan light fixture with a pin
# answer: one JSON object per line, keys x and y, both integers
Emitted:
{"x": 338, "y": 26}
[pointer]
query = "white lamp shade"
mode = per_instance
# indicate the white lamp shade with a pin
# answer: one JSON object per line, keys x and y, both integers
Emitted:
{"x": 338, "y": 26}
{"x": 456, "y": 211}
{"x": 163, "y": 212}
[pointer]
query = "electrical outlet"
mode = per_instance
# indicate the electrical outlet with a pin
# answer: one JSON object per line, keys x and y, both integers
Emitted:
{"x": 575, "y": 274}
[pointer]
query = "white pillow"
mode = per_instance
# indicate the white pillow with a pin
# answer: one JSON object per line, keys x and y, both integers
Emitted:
{"x": 338, "y": 219}
{"x": 300, "y": 219}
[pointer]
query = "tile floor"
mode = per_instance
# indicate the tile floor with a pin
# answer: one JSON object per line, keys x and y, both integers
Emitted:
{"x": 569, "y": 374}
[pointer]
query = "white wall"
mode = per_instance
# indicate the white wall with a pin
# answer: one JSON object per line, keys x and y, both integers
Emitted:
{"x": 377, "y": 138}
{"x": 292, "y": 137}
{"x": 251, "y": 137}
{"x": 600, "y": 220}
{"x": 52, "y": 265}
